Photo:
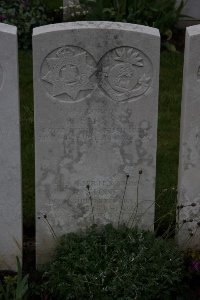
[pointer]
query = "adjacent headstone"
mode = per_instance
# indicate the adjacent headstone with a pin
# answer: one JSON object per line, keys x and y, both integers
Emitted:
{"x": 190, "y": 13}
{"x": 188, "y": 213}
{"x": 10, "y": 171}
{"x": 96, "y": 98}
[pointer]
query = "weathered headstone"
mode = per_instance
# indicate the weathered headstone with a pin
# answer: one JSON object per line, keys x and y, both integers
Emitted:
{"x": 96, "y": 93}
{"x": 10, "y": 171}
{"x": 188, "y": 214}
{"x": 190, "y": 13}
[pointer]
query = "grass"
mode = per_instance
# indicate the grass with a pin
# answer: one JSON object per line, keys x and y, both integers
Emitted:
{"x": 168, "y": 134}
{"x": 27, "y": 136}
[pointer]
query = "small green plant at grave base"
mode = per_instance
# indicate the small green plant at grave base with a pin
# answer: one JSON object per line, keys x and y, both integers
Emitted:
{"x": 14, "y": 287}
{"x": 108, "y": 263}
{"x": 25, "y": 14}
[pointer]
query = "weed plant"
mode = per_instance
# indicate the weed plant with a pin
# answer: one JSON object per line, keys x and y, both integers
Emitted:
{"x": 14, "y": 287}
{"x": 107, "y": 263}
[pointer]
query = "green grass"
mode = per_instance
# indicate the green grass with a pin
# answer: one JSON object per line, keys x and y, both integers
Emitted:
{"x": 27, "y": 134}
{"x": 168, "y": 134}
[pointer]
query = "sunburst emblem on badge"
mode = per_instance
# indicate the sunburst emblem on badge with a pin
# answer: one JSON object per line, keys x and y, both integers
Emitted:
{"x": 126, "y": 73}
{"x": 70, "y": 73}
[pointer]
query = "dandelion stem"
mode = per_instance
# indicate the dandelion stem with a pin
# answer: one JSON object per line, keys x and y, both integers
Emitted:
{"x": 50, "y": 227}
{"x": 134, "y": 214}
{"x": 91, "y": 203}
{"x": 122, "y": 203}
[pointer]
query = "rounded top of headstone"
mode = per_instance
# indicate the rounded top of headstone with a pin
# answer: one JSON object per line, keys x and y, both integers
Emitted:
{"x": 8, "y": 28}
{"x": 96, "y": 25}
{"x": 193, "y": 30}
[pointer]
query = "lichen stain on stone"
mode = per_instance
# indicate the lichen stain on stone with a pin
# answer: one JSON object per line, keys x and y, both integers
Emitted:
{"x": 191, "y": 150}
{"x": 188, "y": 220}
{"x": 105, "y": 144}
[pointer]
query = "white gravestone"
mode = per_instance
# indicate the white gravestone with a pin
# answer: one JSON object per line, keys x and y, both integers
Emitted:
{"x": 10, "y": 162}
{"x": 188, "y": 213}
{"x": 190, "y": 13}
{"x": 96, "y": 94}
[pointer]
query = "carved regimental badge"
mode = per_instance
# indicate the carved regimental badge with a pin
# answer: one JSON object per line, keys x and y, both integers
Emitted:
{"x": 68, "y": 73}
{"x": 125, "y": 73}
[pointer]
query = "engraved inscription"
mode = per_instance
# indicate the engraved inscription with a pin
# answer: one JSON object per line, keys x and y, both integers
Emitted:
{"x": 1, "y": 76}
{"x": 125, "y": 73}
{"x": 69, "y": 73}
